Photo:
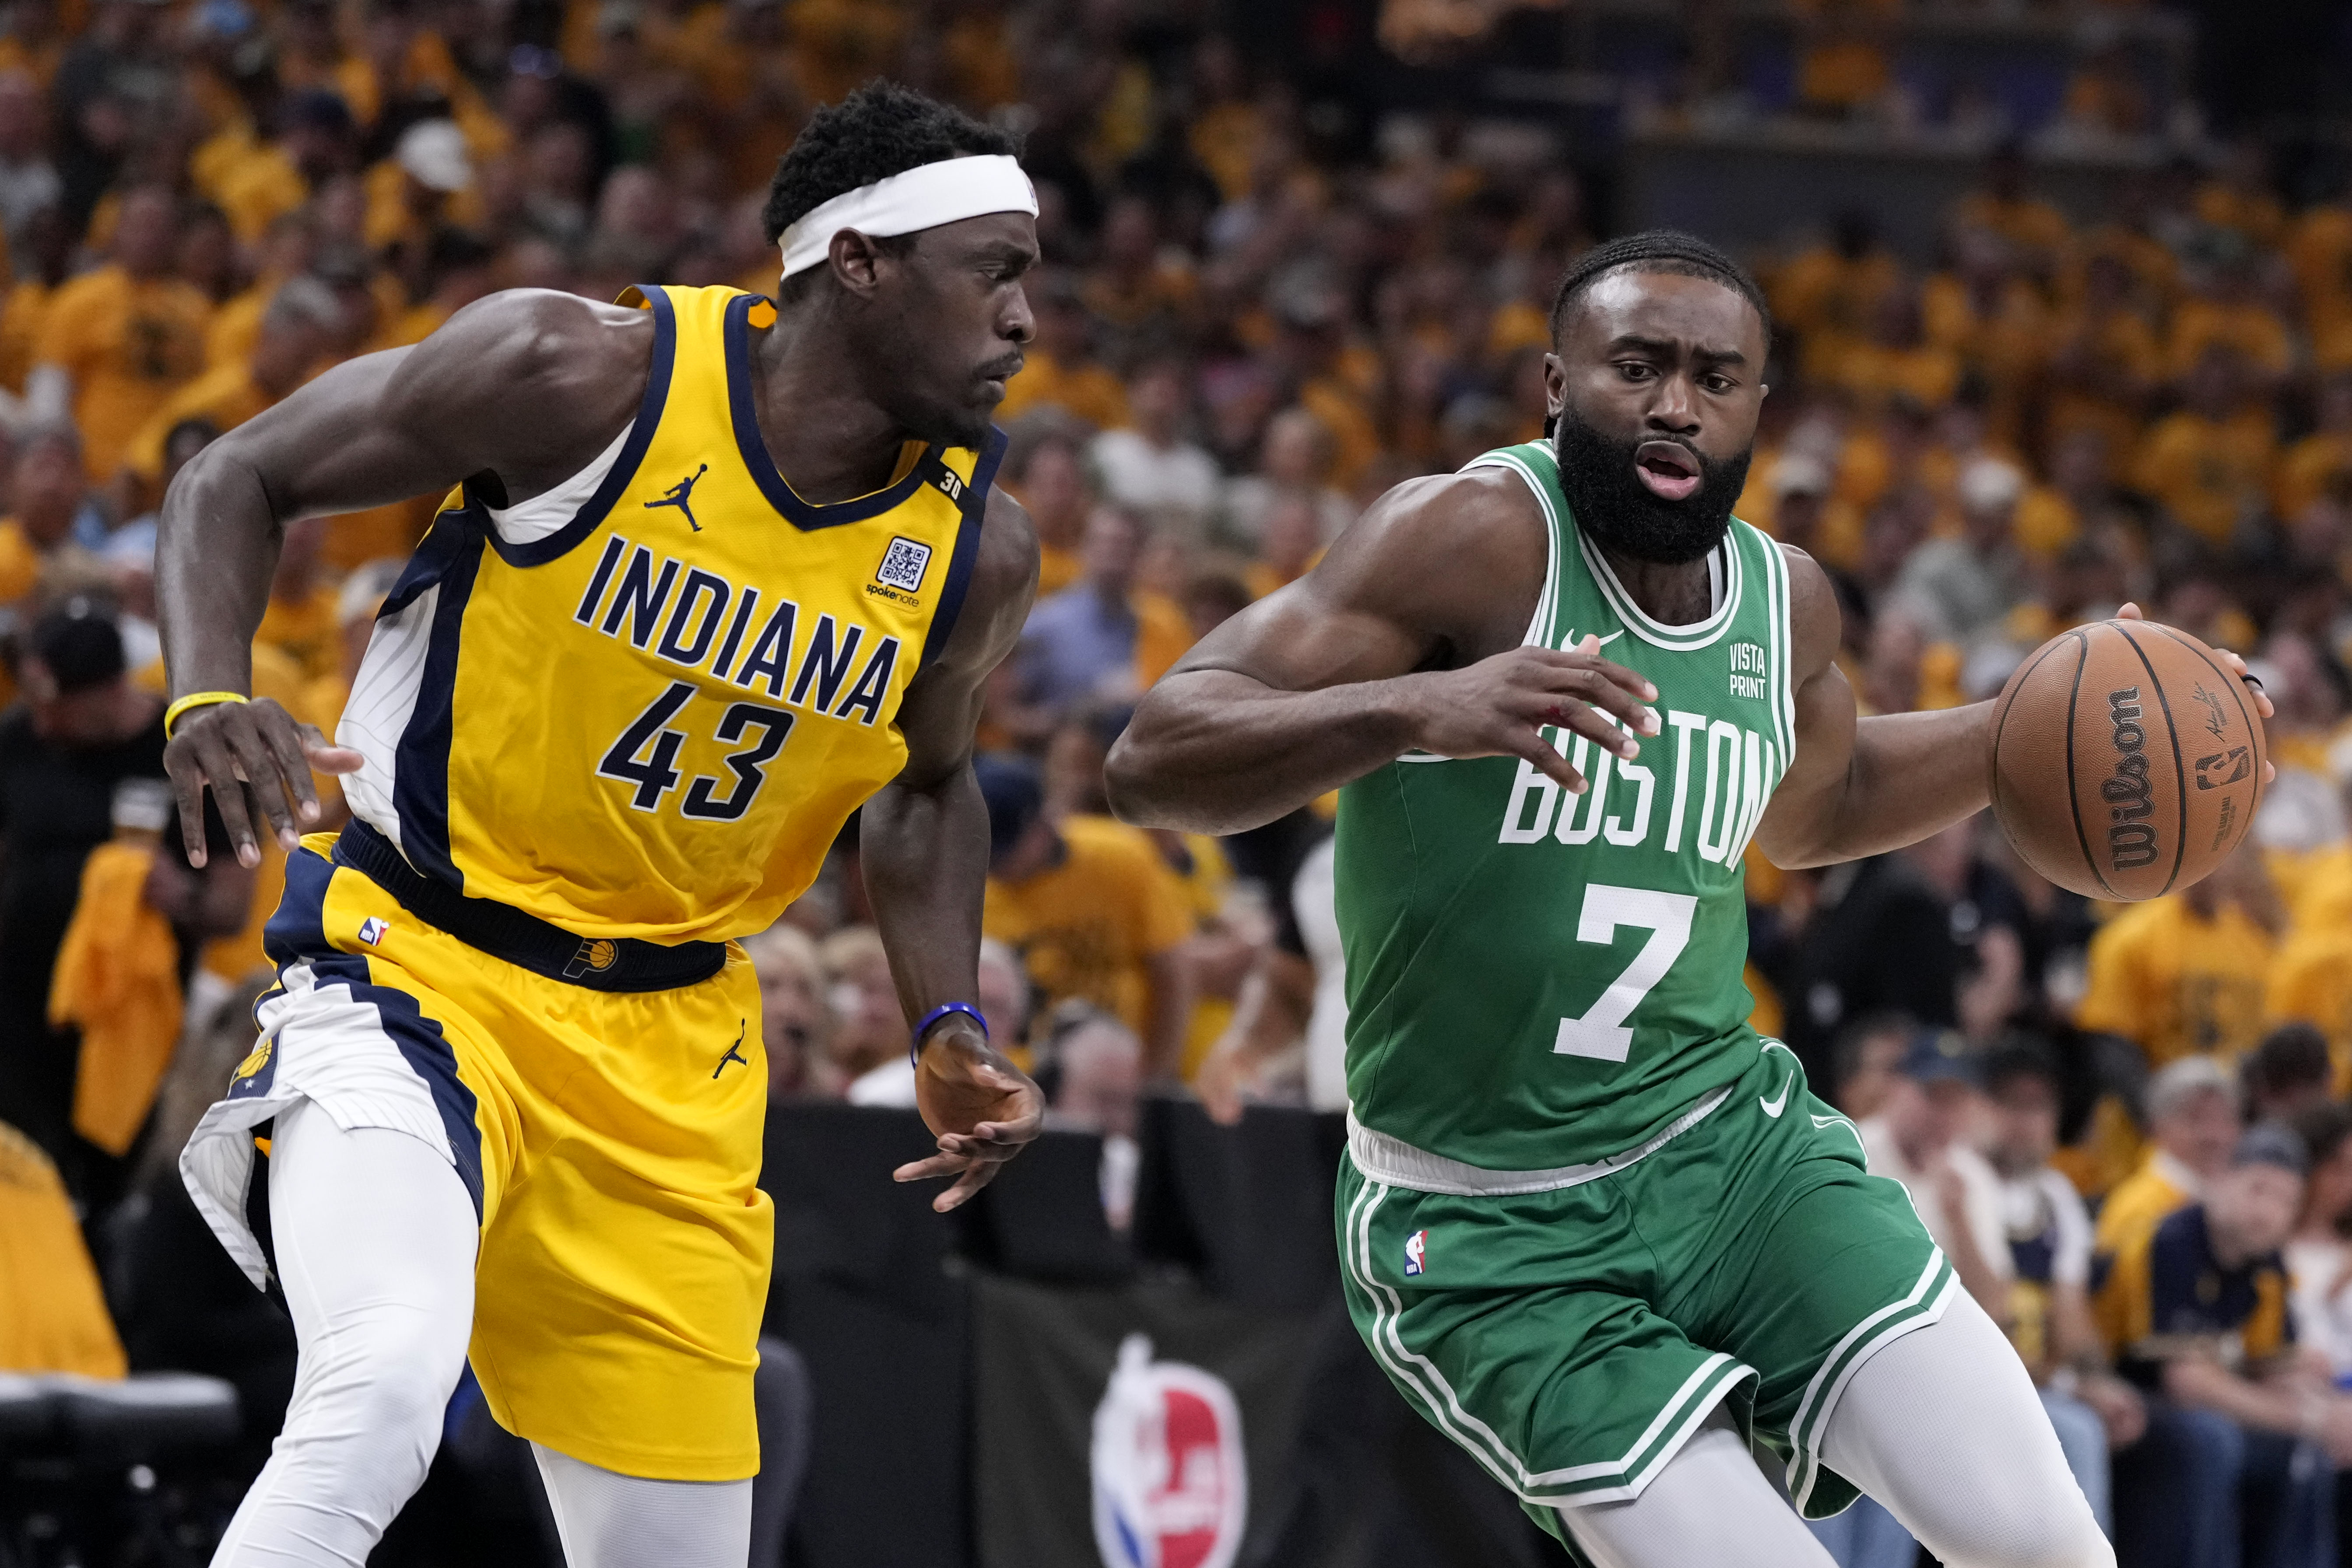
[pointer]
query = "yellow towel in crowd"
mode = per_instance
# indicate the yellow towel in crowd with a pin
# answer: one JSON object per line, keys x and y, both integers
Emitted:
{"x": 118, "y": 978}
{"x": 52, "y": 1314}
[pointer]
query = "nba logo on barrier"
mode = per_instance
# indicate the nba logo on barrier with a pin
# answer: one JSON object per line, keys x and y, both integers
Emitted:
{"x": 1416, "y": 1253}
{"x": 1170, "y": 1484}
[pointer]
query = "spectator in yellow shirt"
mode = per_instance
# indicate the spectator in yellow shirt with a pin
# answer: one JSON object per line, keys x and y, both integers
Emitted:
{"x": 52, "y": 1313}
{"x": 296, "y": 329}
{"x": 1897, "y": 360}
{"x": 1046, "y": 468}
{"x": 2224, "y": 309}
{"x": 2192, "y": 1113}
{"x": 2185, "y": 974}
{"x": 48, "y": 492}
{"x": 2321, "y": 461}
{"x": 302, "y": 620}
{"x": 2320, "y": 249}
{"x": 1060, "y": 370}
{"x": 1828, "y": 291}
{"x": 117, "y": 342}
{"x": 2209, "y": 462}
{"x": 1090, "y": 907}
{"x": 2105, "y": 360}
{"x": 2037, "y": 231}
{"x": 2311, "y": 982}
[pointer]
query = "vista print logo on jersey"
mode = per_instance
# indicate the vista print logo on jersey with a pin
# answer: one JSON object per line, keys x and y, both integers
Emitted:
{"x": 1171, "y": 1480}
{"x": 1416, "y": 1254}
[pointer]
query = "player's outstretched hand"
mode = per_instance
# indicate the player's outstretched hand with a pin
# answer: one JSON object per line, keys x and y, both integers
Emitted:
{"x": 1498, "y": 707}
{"x": 2131, "y": 612}
{"x": 983, "y": 1108}
{"x": 257, "y": 759}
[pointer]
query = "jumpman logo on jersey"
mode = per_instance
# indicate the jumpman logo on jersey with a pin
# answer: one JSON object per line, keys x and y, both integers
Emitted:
{"x": 678, "y": 494}
{"x": 735, "y": 1051}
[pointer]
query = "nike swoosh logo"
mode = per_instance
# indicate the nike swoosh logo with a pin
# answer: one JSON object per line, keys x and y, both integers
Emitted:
{"x": 1574, "y": 637}
{"x": 1779, "y": 1102}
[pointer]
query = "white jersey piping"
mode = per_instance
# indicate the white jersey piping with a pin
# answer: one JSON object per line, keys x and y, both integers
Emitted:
{"x": 1395, "y": 1162}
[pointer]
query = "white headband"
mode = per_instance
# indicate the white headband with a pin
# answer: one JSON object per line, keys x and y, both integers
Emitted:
{"x": 923, "y": 198}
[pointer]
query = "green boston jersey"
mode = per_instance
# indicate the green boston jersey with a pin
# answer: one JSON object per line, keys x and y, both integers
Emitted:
{"x": 1537, "y": 980}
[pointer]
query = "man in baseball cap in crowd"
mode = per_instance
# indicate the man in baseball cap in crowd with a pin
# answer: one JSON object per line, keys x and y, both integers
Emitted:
{"x": 2239, "y": 1427}
{"x": 1916, "y": 1138}
{"x": 81, "y": 730}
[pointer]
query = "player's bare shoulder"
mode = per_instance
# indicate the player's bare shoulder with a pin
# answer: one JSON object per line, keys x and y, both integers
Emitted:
{"x": 1461, "y": 554}
{"x": 545, "y": 378}
{"x": 1816, "y": 620}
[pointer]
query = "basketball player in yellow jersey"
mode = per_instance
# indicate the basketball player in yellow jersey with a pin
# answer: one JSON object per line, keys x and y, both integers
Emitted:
{"x": 714, "y": 572}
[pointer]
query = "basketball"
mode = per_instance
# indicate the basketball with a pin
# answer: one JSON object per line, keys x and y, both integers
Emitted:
{"x": 2126, "y": 760}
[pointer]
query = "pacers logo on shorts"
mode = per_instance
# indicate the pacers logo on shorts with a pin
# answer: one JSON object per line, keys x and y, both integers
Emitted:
{"x": 596, "y": 955}
{"x": 1416, "y": 1253}
{"x": 252, "y": 1075}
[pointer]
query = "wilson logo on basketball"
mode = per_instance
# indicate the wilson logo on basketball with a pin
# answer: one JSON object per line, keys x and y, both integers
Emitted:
{"x": 2131, "y": 839}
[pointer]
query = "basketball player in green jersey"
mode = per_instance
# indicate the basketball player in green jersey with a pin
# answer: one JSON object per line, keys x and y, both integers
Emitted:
{"x": 1593, "y": 1227}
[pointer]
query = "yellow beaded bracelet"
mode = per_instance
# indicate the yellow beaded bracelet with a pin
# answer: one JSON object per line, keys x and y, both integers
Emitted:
{"x": 198, "y": 699}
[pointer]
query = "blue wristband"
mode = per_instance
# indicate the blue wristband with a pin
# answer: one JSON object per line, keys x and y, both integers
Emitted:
{"x": 915, "y": 1045}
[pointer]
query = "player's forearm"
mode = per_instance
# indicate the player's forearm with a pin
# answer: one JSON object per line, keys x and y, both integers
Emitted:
{"x": 1211, "y": 750}
{"x": 1911, "y": 774}
{"x": 925, "y": 850}
{"x": 1978, "y": 1278}
{"x": 215, "y": 548}
{"x": 1171, "y": 1014}
{"x": 2264, "y": 1406}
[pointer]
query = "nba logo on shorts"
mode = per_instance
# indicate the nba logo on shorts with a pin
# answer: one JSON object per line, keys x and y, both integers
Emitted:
{"x": 1416, "y": 1253}
{"x": 1170, "y": 1484}
{"x": 373, "y": 930}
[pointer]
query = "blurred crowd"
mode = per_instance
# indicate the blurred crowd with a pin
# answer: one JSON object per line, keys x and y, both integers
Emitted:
{"x": 1246, "y": 333}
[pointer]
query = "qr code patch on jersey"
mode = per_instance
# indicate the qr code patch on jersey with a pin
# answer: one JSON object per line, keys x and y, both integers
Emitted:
{"x": 903, "y": 564}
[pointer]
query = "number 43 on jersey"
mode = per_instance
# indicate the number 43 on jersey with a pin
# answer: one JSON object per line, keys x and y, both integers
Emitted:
{"x": 646, "y": 754}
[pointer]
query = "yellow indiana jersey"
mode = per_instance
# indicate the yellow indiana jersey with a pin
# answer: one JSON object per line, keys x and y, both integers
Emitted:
{"x": 643, "y": 704}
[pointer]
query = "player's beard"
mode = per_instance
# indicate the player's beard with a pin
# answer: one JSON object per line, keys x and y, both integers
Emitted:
{"x": 1611, "y": 502}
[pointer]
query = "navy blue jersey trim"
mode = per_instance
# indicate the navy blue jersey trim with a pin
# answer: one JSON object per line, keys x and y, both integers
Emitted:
{"x": 441, "y": 545}
{"x": 967, "y": 547}
{"x": 428, "y": 1054}
{"x": 298, "y": 928}
{"x": 540, "y": 551}
{"x": 806, "y": 516}
{"x": 420, "y": 790}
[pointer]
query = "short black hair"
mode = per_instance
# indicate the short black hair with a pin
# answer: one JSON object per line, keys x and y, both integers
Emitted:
{"x": 2019, "y": 1056}
{"x": 1656, "y": 250}
{"x": 2291, "y": 1056}
{"x": 882, "y": 128}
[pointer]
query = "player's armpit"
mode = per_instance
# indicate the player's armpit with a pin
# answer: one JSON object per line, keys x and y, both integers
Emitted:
{"x": 1858, "y": 785}
{"x": 1407, "y": 635}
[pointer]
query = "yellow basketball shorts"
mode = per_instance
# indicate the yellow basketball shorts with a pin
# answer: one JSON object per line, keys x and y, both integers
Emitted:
{"x": 611, "y": 1140}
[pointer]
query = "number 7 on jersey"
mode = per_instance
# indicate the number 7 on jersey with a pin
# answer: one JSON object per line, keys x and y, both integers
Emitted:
{"x": 1603, "y": 1033}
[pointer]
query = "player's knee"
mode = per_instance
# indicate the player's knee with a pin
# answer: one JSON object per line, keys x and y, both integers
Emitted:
{"x": 2051, "y": 1530}
{"x": 392, "y": 1376}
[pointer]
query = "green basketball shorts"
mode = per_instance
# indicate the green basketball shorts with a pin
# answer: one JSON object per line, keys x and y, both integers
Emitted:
{"x": 1571, "y": 1338}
